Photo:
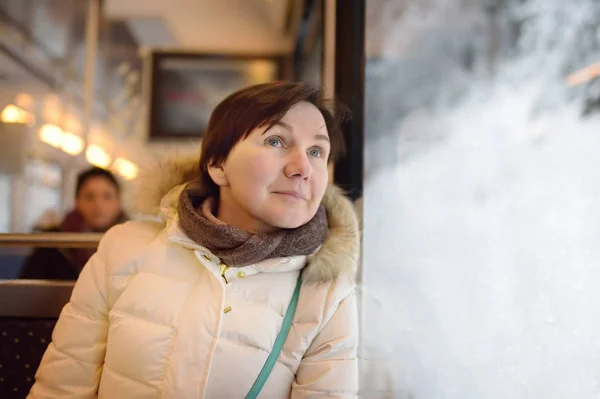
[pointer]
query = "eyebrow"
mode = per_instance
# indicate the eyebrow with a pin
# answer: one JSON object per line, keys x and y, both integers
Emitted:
{"x": 322, "y": 137}
{"x": 282, "y": 124}
{"x": 288, "y": 127}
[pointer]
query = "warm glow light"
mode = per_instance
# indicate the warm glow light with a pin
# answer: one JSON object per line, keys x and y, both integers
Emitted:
{"x": 261, "y": 71}
{"x": 97, "y": 156}
{"x": 72, "y": 124}
{"x": 24, "y": 100}
{"x": 66, "y": 141}
{"x": 13, "y": 114}
{"x": 51, "y": 134}
{"x": 52, "y": 109}
{"x": 584, "y": 75}
{"x": 71, "y": 143}
{"x": 125, "y": 168}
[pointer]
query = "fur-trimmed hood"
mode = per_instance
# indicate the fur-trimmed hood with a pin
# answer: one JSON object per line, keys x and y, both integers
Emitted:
{"x": 158, "y": 192}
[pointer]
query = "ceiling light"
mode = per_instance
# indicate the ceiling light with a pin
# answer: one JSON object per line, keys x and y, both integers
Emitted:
{"x": 97, "y": 156}
{"x": 51, "y": 134}
{"x": 71, "y": 143}
{"x": 125, "y": 168}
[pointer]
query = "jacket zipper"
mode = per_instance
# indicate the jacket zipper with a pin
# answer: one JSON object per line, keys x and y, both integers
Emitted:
{"x": 223, "y": 269}
{"x": 222, "y": 266}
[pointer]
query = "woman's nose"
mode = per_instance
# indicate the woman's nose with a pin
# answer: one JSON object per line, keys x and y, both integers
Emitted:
{"x": 298, "y": 165}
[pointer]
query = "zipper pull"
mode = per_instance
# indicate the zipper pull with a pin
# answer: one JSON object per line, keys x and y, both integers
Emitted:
{"x": 223, "y": 269}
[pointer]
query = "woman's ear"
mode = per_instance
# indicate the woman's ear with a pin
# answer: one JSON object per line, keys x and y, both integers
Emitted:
{"x": 218, "y": 175}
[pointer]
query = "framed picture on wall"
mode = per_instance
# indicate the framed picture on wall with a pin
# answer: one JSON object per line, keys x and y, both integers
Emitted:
{"x": 186, "y": 87}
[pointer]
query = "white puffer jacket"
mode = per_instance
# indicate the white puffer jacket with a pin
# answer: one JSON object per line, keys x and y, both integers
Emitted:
{"x": 151, "y": 316}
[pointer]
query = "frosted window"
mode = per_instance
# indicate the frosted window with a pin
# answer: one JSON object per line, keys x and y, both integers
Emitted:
{"x": 481, "y": 202}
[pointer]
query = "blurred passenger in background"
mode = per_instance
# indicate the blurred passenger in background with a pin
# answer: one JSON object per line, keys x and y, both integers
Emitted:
{"x": 97, "y": 208}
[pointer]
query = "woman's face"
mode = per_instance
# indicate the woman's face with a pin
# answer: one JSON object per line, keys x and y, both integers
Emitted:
{"x": 98, "y": 203}
{"x": 276, "y": 178}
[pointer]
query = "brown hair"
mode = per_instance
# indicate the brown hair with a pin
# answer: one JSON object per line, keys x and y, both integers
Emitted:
{"x": 263, "y": 105}
{"x": 92, "y": 172}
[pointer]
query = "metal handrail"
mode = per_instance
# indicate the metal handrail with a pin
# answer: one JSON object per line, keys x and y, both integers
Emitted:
{"x": 51, "y": 240}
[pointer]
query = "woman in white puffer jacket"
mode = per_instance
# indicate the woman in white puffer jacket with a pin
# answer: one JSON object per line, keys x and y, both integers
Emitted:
{"x": 192, "y": 307}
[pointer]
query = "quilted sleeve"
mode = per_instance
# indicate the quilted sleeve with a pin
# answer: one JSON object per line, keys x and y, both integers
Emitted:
{"x": 329, "y": 369}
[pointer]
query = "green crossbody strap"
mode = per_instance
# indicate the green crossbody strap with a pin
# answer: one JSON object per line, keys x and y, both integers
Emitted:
{"x": 279, "y": 341}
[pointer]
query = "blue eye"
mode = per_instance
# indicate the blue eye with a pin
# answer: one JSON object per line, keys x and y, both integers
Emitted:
{"x": 274, "y": 142}
{"x": 315, "y": 152}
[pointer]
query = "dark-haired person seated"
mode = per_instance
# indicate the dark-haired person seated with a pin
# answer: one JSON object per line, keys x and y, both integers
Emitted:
{"x": 97, "y": 208}
{"x": 244, "y": 288}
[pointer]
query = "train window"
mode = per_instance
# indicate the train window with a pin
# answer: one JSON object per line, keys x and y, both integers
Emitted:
{"x": 480, "y": 200}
